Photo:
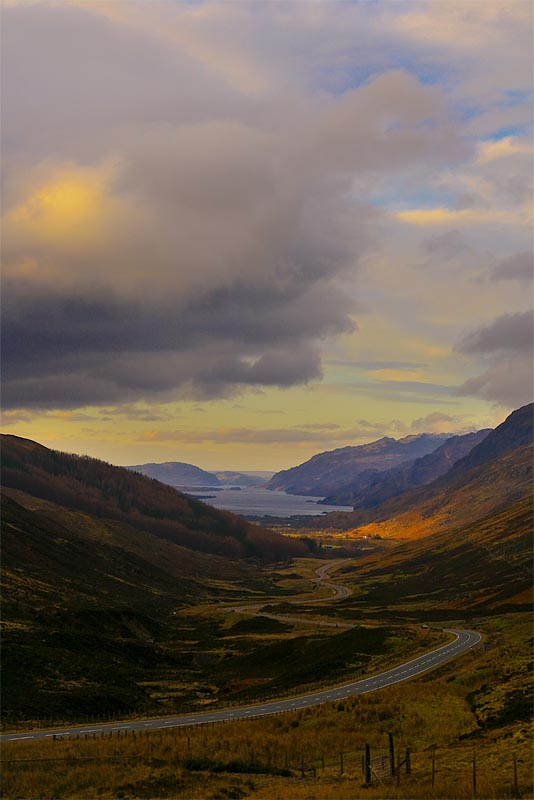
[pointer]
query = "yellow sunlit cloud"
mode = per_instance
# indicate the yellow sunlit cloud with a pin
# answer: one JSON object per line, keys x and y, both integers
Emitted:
{"x": 68, "y": 206}
{"x": 502, "y": 148}
{"x": 448, "y": 216}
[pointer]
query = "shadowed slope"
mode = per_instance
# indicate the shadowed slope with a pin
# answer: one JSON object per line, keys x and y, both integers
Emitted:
{"x": 117, "y": 493}
{"x": 88, "y": 608}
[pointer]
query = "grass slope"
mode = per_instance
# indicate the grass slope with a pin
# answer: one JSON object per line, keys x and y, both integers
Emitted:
{"x": 478, "y": 568}
{"x": 467, "y": 707}
{"x": 468, "y": 497}
{"x": 88, "y": 608}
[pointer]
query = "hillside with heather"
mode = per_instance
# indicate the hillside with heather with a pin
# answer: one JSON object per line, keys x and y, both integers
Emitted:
{"x": 477, "y": 568}
{"x": 88, "y": 604}
{"x": 97, "y": 562}
{"x": 116, "y": 493}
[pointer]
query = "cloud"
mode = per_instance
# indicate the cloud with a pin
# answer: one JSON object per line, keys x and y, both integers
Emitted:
{"x": 15, "y": 416}
{"x": 227, "y": 436}
{"x": 437, "y": 422}
{"x": 518, "y": 266}
{"x": 186, "y": 211}
{"x": 463, "y": 216}
{"x": 396, "y": 391}
{"x": 509, "y": 332}
{"x": 507, "y": 345}
{"x": 448, "y": 245}
{"x": 193, "y": 239}
{"x": 325, "y": 435}
{"x": 135, "y": 413}
{"x": 377, "y": 366}
{"x": 507, "y": 383}
{"x": 503, "y": 148}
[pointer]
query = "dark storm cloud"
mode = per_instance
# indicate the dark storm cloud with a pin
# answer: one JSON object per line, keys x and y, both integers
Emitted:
{"x": 219, "y": 227}
{"x": 62, "y": 350}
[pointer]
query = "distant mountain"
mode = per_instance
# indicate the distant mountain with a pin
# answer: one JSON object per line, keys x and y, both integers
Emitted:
{"x": 117, "y": 493}
{"x": 495, "y": 474}
{"x": 331, "y": 471}
{"x": 231, "y": 478}
{"x": 380, "y": 487}
{"x": 176, "y": 473}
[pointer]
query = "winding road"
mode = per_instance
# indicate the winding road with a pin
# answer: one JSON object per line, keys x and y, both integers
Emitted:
{"x": 463, "y": 642}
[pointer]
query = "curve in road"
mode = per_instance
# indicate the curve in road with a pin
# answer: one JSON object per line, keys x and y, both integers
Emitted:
{"x": 463, "y": 641}
{"x": 322, "y": 574}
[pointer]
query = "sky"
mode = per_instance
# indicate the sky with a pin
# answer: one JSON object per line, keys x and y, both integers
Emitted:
{"x": 237, "y": 234}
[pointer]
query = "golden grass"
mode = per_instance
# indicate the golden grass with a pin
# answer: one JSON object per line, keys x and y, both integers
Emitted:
{"x": 431, "y": 713}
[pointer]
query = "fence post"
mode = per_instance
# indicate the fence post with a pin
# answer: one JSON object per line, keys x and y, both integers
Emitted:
{"x": 367, "y": 764}
{"x": 391, "y": 755}
{"x": 408, "y": 761}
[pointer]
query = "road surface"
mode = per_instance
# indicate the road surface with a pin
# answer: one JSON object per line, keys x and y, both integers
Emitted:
{"x": 322, "y": 574}
{"x": 463, "y": 642}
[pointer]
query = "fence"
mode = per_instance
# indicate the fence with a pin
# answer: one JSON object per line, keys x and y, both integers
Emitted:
{"x": 202, "y": 748}
{"x": 371, "y": 767}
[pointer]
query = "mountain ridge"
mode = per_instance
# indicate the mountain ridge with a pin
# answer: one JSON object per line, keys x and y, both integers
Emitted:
{"x": 497, "y": 471}
{"x": 327, "y": 472}
{"x": 377, "y": 488}
{"x": 182, "y": 474}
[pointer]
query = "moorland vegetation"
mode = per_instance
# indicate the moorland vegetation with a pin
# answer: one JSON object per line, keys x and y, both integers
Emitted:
{"x": 108, "y": 614}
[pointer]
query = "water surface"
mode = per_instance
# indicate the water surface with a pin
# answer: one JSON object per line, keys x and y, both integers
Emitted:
{"x": 254, "y": 502}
